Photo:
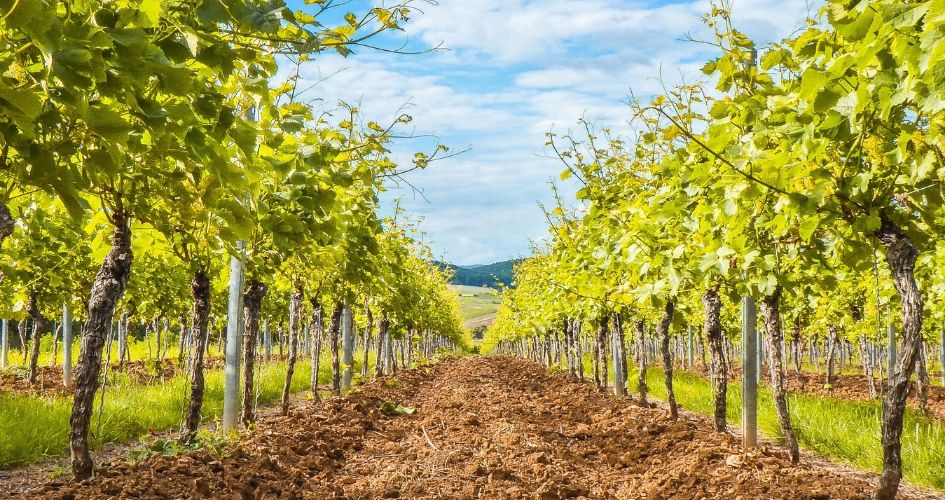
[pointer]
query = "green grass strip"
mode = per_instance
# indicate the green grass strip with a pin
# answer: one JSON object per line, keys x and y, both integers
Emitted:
{"x": 36, "y": 427}
{"x": 848, "y": 431}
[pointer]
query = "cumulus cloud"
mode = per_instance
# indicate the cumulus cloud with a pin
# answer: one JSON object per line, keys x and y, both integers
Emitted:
{"x": 516, "y": 69}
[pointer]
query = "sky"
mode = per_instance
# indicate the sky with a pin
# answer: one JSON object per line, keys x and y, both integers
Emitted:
{"x": 509, "y": 72}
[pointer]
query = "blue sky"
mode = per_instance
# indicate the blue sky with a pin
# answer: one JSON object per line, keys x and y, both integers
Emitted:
{"x": 514, "y": 70}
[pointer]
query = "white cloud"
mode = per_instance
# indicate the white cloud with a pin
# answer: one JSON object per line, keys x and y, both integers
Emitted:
{"x": 515, "y": 70}
{"x": 523, "y": 31}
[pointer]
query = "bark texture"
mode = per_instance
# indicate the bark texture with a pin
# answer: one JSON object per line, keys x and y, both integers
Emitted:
{"x": 663, "y": 333}
{"x": 771, "y": 315}
{"x": 867, "y": 365}
{"x": 569, "y": 349}
{"x": 601, "y": 349}
{"x": 922, "y": 380}
{"x": 713, "y": 331}
{"x": 831, "y": 354}
{"x": 620, "y": 356}
{"x": 641, "y": 361}
{"x": 24, "y": 340}
{"x": 39, "y": 326}
{"x": 334, "y": 332}
{"x": 107, "y": 289}
{"x": 318, "y": 325}
{"x": 55, "y": 345}
{"x": 382, "y": 327}
{"x": 796, "y": 337}
{"x": 124, "y": 355}
{"x": 295, "y": 324}
{"x": 579, "y": 350}
{"x": 368, "y": 327}
{"x": 7, "y": 222}
{"x": 200, "y": 317}
{"x": 901, "y": 256}
{"x": 182, "y": 341}
{"x": 252, "y": 303}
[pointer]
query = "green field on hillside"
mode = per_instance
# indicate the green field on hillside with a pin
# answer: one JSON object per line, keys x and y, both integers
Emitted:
{"x": 475, "y": 301}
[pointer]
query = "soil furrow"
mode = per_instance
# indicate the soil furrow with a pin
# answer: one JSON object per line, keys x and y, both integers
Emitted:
{"x": 488, "y": 427}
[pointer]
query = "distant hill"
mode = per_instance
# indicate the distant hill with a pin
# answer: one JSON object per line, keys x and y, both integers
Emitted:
{"x": 489, "y": 275}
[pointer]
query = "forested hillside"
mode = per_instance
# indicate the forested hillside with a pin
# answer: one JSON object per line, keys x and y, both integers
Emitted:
{"x": 490, "y": 275}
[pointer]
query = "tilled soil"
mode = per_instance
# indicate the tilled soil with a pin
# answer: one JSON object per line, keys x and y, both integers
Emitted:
{"x": 48, "y": 382}
{"x": 491, "y": 427}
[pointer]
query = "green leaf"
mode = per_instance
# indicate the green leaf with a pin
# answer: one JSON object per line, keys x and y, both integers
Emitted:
{"x": 856, "y": 29}
{"x": 108, "y": 123}
{"x": 212, "y": 11}
{"x": 149, "y": 13}
{"x": 24, "y": 100}
{"x": 812, "y": 83}
{"x": 807, "y": 227}
{"x": 825, "y": 100}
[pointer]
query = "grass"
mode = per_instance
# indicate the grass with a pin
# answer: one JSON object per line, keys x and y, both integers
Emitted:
{"x": 476, "y": 302}
{"x": 38, "y": 427}
{"x": 137, "y": 348}
{"x": 844, "y": 430}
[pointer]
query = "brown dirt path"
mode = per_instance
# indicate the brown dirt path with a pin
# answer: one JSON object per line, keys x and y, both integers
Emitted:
{"x": 487, "y": 320}
{"x": 490, "y": 427}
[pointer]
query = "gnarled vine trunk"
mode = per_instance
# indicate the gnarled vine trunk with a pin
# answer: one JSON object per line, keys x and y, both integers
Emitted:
{"x": 663, "y": 333}
{"x": 24, "y": 340}
{"x": 334, "y": 330}
{"x": 867, "y": 365}
{"x": 771, "y": 314}
{"x": 368, "y": 327}
{"x": 601, "y": 350}
{"x": 107, "y": 289}
{"x": 704, "y": 351}
{"x": 382, "y": 326}
{"x": 641, "y": 361}
{"x": 182, "y": 342}
{"x": 390, "y": 360}
{"x": 252, "y": 303}
{"x": 569, "y": 350}
{"x": 123, "y": 354}
{"x": 55, "y": 345}
{"x": 39, "y": 325}
{"x": 295, "y": 324}
{"x": 901, "y": 256}
{"x": 595, "y": 361}
{"x": 713, "y": 331}
{"x": 620, "y": 356}
{"x": 922, "y": 380}
{"x": 796, "y": 346}
{"x": 7, "y": 222}
{"x": 831, "y": 354}
{"x": 200, "y": 317}
{"x": 318, "y": 325}
{"x": 579, "y": 350}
